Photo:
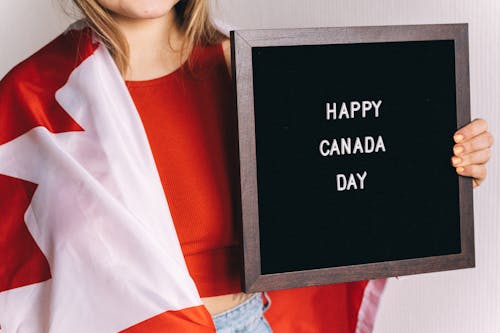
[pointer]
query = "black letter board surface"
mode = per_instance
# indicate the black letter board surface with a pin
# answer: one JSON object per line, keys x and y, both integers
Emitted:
{"x": 345, "y": 139}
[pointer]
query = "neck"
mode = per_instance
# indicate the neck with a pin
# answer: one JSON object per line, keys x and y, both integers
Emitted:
{"x": 154, "y": 45}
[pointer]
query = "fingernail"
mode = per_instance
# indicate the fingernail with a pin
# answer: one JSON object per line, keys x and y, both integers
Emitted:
{"x": 460, "y": 170}
{"x": 458, "y": 150}
{"x": 458, "y": 138}
{"x": 456, "y": 160}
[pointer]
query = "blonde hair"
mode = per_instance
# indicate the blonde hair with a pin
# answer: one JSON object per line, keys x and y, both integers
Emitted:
{"x": 192, "y": 16}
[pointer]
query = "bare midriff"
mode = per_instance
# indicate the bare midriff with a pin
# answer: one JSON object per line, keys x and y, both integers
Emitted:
{"x": 219, "y": 304}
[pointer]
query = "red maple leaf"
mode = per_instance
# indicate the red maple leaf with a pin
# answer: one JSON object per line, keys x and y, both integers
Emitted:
{"x": 21, "y": 260}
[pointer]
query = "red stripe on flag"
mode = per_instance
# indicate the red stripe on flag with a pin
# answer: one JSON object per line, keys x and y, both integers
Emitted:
{"x": 21, "y": 260}
{"x": 193, "y": 320}
{"x": 331, "y": 308}
{"x": 27, "y": 93}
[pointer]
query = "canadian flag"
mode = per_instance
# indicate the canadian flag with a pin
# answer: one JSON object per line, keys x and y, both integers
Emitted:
{"x": 87, "y": 242}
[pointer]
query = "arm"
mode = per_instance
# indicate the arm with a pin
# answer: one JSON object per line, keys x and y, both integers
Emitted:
{"x": 226, "y": 46}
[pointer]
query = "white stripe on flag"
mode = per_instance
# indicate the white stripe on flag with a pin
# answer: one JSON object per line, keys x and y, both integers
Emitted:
{"x": 99, "y": 215}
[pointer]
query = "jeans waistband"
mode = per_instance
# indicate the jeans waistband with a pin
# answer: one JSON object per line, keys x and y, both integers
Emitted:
{"x": 246, "y": 312}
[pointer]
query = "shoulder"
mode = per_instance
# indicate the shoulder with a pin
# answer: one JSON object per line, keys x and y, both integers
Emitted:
{"x": 65, "y": 52}
{"x": 212, "y": 57}
{"x": 52, "y": 64}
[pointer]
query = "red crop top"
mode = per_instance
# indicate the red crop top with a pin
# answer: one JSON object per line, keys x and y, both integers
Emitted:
{"x": 190, "y": 121}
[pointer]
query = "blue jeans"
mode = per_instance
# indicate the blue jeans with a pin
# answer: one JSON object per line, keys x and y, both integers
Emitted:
{"x": 247, "y": 317}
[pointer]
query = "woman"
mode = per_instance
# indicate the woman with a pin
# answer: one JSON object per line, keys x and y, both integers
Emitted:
{"x": 176, "y": 67}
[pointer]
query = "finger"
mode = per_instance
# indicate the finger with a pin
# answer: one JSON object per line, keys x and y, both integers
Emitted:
{"x": 476, "y": 171}
{"x": 470, "y": 130}
{"x": 479, "y": 142}
{"x": 478, "y": 157}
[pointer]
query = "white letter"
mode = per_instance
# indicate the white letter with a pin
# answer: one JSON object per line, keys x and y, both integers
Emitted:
{"x": 345, "y": 144}
{"x": 355, "y": 106}
{"x": 361, "y": 179}
{"x": 334, "y": 148}
{"x": 321, "y": 144}
{"x": 367, "y": 105}
{"x": 343, "y": 111}
{"x": 351, "y": 182}
{"x": 341, "y": 179}
{"x": 330, "y": 111}
{"x": 357, "y": 146}
{"x": 377, "y": 106}
{"x": 369, "y": 144}
{"x": 380, "y": 144}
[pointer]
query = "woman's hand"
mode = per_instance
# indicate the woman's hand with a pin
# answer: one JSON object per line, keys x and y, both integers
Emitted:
{"x": 472, "y": 150}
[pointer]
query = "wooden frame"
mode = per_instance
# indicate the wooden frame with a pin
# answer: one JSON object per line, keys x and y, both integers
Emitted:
{"x": 242, "y": 43}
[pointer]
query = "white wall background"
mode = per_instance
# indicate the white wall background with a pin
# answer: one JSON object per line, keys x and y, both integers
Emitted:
{"x": 466, "y": 301}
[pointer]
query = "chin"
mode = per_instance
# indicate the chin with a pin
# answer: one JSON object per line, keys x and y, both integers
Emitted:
{"x": 139, "y": 9}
